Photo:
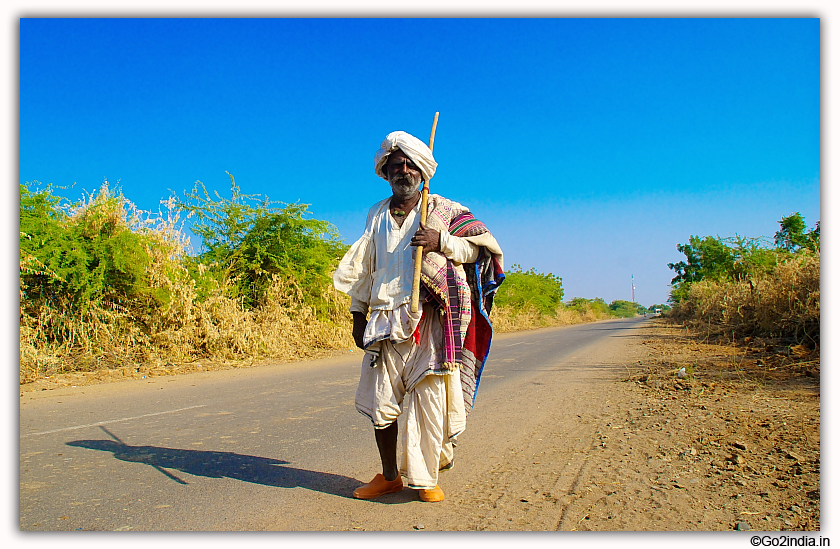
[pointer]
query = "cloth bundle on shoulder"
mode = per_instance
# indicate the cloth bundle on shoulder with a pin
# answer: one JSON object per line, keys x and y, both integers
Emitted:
{"x": 466, "y": 303}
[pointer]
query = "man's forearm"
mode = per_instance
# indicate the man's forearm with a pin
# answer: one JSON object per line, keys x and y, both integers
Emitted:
{"x": 458, "y": 249}
{"x": 359, "y": 325}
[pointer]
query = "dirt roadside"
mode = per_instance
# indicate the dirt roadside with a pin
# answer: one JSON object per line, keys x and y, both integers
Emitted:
{"x": 733, "y": 443}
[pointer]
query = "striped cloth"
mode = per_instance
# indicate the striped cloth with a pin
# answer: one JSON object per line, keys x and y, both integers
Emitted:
{"x": 467, "y": 225}
{"x": 469, "y": 350}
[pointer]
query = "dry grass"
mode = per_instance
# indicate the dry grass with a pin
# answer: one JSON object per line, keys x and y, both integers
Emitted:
{"x": 150, "y": 336}
{"x": 218, "y": 329}
{"x": 783, "y": 304}
{"x": 512, "y": 319}
{"x": 55, "y": 339}
{"x": 215, "y": 333}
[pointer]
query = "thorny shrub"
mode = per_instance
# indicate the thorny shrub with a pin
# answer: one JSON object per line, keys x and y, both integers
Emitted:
{"x": 103, "y": 284}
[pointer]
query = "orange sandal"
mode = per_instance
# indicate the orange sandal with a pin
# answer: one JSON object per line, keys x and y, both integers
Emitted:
{"x": 378, "y": 487}
{"x": 432, "y": 496}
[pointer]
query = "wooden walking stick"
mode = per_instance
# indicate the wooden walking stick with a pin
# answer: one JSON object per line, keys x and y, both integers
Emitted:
{"x": 424, "y": 206}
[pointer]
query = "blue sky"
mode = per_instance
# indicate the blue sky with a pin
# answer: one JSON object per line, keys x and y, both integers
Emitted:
{"x": 590, "y": 147}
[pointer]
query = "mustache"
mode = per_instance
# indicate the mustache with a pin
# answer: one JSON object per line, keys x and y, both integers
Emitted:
{"x": 405, "y": 185}
{"x": 406, "y": 180}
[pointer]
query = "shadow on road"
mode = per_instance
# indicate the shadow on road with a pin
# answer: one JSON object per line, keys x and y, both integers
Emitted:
{"x": 259, "y": 470}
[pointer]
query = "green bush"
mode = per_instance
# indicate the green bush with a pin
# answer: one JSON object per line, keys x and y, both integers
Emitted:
{"x": 104, "y": 284}
{"x": 582, "y": 304}
{"x": 792, "y": 236}
{"x": 89, "y": 253}
{"x": 624, "y": 309}
{"x": 247, "y": 241}
{"x": 523, "y": 289}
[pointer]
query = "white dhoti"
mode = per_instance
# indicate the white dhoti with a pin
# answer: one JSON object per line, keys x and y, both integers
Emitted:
{"x": 401, "y": 380}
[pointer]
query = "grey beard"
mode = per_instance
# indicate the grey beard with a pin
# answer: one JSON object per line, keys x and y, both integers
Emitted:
{"x": 405, "y": 186}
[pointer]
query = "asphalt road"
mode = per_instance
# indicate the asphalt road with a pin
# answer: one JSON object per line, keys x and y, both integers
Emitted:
{"x": 272, "y": 447}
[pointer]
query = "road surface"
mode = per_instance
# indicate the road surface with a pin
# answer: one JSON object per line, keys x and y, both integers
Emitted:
{"x": 281, "y": 447}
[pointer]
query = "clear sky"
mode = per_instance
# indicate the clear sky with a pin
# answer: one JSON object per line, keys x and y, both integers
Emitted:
{"x": 590, "y": 147}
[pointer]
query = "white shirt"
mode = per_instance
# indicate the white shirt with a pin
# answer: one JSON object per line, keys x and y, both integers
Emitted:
{"x": 382, "y": 265}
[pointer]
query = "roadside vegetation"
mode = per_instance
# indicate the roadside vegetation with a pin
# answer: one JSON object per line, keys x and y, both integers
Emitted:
{"x": 750, "y": 287}
{"x": 529, "y": 299}
{"x": 106, "y": 287}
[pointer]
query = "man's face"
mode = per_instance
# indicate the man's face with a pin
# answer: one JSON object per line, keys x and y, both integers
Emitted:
{"x": 403, "y": 175}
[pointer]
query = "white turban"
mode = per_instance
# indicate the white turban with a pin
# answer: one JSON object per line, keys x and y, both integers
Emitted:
{"x": 413, "y": 148}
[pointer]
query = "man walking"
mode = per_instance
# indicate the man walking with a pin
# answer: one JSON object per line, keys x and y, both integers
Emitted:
{"x": 426, "y": 364}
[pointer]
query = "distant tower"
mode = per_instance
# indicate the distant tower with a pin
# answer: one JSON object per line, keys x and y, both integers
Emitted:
{"x": 632, "y": 289}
